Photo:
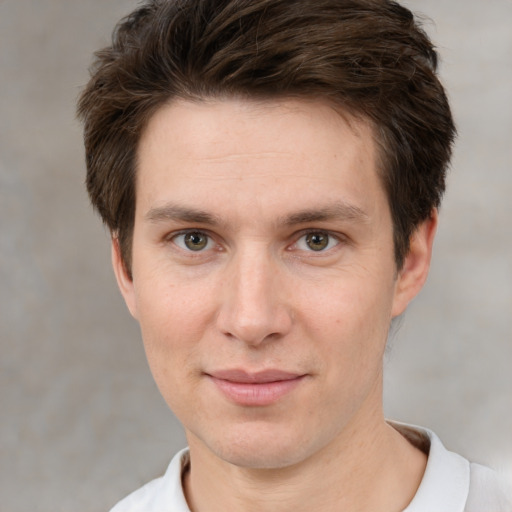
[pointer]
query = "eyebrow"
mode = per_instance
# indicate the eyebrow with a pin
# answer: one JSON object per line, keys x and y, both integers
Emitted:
{"x": 340, "y": 211}
{"x": 181, "y": 213}
{"x": 336, "y": 211}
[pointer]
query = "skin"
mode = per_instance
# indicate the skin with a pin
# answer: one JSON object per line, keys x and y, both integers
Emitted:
{"x": 252, "y": 180}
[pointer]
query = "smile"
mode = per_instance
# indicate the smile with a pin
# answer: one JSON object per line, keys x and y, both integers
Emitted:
{"x": 255, "y": 389}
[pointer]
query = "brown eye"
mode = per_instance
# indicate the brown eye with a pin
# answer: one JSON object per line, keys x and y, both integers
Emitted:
{"x": 195, "y": 241}
{"x": 317, "y": 241}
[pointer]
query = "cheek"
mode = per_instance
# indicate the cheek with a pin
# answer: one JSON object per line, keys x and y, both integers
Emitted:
{"x": 173, "y": 319}
{"x": 349, "y": 302}
{"x": 352, "y": 317}
{"x": 350, "y": 333}
{"x": 171, "y": 335}
{"x": 170, "y": 315}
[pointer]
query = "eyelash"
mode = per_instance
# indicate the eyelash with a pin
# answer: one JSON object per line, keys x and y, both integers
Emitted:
{"x": 331, "y": 238}
{"x": 172, "y": 238}
{"x": 301, "y": 235}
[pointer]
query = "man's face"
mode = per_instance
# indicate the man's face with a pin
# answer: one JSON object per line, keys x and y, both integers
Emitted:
{"x": 263, "y": 275}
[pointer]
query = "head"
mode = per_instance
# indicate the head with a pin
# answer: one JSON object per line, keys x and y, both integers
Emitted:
{"x": 270, "y": 172}
{"x": 366, "y": 58}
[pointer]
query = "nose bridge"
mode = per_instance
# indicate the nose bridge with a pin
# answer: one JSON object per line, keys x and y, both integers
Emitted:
{"x": 254, "y": 307}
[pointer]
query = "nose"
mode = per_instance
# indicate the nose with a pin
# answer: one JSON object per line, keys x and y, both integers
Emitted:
{"x": 254, "y": 308}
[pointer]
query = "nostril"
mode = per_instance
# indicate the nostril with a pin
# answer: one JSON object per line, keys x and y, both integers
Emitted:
{"x": 254, "y": 330}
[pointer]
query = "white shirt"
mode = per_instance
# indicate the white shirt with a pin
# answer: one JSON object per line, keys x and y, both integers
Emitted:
{"x": 450, "y": 483}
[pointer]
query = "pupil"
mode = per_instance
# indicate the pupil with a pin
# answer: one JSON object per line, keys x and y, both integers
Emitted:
{"x": 317, "y": 241}
{"x": 195, "y": 241}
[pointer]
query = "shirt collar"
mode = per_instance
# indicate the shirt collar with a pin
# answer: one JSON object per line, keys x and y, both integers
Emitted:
{"x": 445, "y": 483}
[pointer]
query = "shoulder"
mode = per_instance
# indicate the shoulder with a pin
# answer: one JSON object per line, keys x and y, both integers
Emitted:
{"x": 486, "y": 491}
{"x": 164, "y": 494}
{"x": 451, "y": 482}
{"x": 140, "y": 499}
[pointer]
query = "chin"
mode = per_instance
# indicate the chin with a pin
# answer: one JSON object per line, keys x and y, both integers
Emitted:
{"x": 260, "y": 457}
{"x": 261, "y": 447}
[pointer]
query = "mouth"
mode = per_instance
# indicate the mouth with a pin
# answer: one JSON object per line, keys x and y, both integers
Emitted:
{"x": 255, "y": 388}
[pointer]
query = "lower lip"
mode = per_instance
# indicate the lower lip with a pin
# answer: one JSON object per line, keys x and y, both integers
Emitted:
{"x": 256, "y": 394}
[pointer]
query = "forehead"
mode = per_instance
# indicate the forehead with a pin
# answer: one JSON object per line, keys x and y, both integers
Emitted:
{"x": 212, "y": 125}
{"x": 266, "y": 155}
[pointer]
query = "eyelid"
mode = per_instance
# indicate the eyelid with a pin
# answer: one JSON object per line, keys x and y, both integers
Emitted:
{"x": 171, "y": 237}
{"x": 339, "y": 237}
{"x": 305, "y": 232}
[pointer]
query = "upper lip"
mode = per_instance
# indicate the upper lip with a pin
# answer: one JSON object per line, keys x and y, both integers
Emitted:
{"x": 258, "y": 377}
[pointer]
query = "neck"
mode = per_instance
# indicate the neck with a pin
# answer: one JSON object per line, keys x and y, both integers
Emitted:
{"x": 364, "y": 469}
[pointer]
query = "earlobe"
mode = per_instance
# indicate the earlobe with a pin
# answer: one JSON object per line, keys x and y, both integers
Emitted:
{"x": 414, "y": 272}
{"x": 124, "y": 280}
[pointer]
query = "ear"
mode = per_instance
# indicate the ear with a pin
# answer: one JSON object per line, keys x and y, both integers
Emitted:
{"x": 124, "y": 281}
{"x": 414, "y": 272}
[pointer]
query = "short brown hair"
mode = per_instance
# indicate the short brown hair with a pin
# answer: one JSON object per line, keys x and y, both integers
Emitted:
{"x": 369, "y": 57}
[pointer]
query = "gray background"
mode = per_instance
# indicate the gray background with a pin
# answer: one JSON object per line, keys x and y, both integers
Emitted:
{"x": 81, "y": 420}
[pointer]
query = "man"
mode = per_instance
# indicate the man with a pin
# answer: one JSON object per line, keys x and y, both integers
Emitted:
{"x": 270, "y": 171}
